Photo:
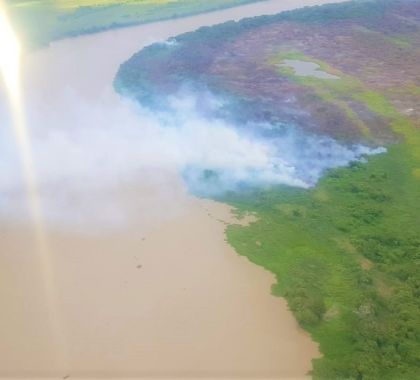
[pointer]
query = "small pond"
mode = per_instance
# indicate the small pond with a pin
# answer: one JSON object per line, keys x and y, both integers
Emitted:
{"x": 307, "y": 69}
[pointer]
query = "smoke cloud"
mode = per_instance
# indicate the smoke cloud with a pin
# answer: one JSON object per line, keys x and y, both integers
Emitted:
{"x": 84, "y": 152}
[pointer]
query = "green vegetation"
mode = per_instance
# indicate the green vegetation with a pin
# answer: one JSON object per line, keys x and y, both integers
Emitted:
{"x": 346, "y": 256}
{"x": 42, "y": 21}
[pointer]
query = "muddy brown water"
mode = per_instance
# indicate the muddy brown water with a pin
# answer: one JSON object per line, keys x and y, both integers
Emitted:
{"x": 165, "y": 296}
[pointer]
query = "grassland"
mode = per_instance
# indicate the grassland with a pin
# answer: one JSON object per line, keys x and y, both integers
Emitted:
{"x": 42, "y": 21}
{"x": 346, "y": 253}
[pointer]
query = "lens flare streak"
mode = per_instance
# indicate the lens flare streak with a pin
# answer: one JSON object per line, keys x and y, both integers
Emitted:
{"x": 10, "y": 57}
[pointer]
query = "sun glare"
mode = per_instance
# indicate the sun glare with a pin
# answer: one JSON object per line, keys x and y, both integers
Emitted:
{"x": 10, "y": 61}
{"x": 10, "y": 51}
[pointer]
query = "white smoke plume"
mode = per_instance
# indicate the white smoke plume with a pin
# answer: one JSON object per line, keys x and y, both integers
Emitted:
{"x": 88, "y": 151}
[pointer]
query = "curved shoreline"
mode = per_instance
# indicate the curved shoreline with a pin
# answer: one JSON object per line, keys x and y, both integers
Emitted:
{"x": 166, "y": 294}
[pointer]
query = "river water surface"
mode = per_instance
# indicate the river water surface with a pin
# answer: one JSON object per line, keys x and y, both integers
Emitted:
{"x": 141, "y": 282}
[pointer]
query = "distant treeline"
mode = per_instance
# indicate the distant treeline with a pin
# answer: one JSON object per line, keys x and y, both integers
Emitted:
{"x": 41, "y": 22}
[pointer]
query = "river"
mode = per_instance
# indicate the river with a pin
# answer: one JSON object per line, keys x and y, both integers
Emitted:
{"x": 142, "y": 281}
